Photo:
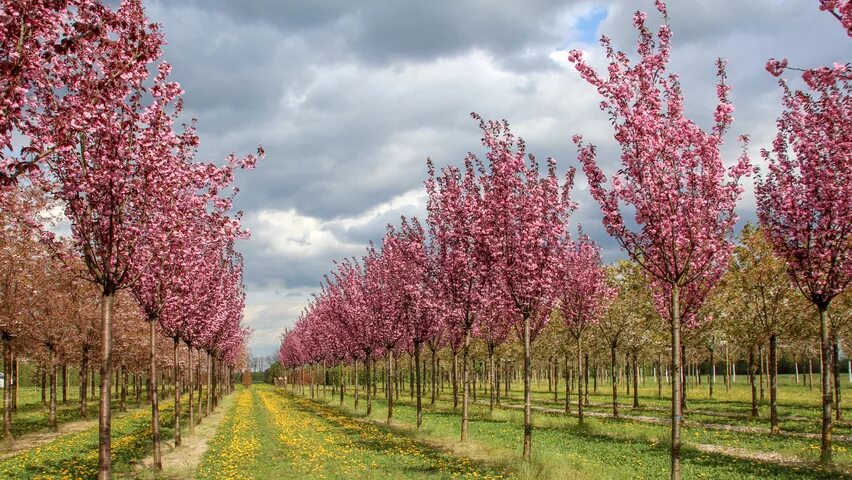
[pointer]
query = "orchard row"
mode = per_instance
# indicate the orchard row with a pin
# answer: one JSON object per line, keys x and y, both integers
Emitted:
{"x": 496, "y": 257}
{"x": 90, "y": 128}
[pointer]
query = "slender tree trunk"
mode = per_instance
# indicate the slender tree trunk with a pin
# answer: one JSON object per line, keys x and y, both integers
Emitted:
{"x": 567, "y": 385}
{"x": 434, "y": 377}
{"x": 209, "y": 396}
{"x": 752, "y": 373}
{"x": 676, "y": 382}
{"x": 635, "y": 380}
{"x": 367, "y": 364}
{"x": 64, "y": 383}
{"x": 455, "y": 380}
{"x": 105, "y": 416}
{"x": 14, "y": 385}
{"x": 492, "y": 378}
{"x": 340, "y": 382}
{"x": 155, "y": 405}
{"x": 390, "y": 384}
{"x": 122, "y": 405}
{"x": 177, "y": 391}
{"x": 527, "y": 392}
{"x": 84, "y": 384}
{"x": 51, "y": 421}
{"x": 773, "y": 384}
{"x": 760, "y": 360}
{"x": 659, "y": 376}
{"x": 355, "y": 382}
{"x": 711, "y": 374}
{"x": 612, "y": 356}
{"x": 8, "y": 440}
{"x": 810, "y": 373}
{"x": 465, "y": 384}
{"x": 191, "y": 389}
{"x": 835, "y": 368}
{"x": 417, "y": 385}
{"x": 825, "y": 381}
{"x": 580, "y": 369}
{"x": 586, "y": 377}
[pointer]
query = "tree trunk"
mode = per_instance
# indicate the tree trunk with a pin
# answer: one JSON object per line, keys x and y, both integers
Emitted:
{"x": 825, "y": 381}
{"x": 612, "y": 355}
{"x": 635, "y": 380}
{"x": 455, "y": 379}
{"x": 177, "y": 391}
{"x": 810, "y": 373}
{"x": 155, "y": 405}
{"x": 586, "y": 375}
{"x": 64, "y": 383}
{"x": 84, "y": 384}
{"x": 527, "y": 392}
{"x": 580, "y": 370}
{"x": 492, "y": 378}
{"x": 355, "y": 382}
{"x": 773, "y": 384}
{"x": 390, "y": 384}
{"x": 760, "y": 360}
{"x": 123, "y": 397}
{"x": 434, "y": 378}
{"x": 105, "y": 416}
{"x": 191, "y": 389}
{"x": 8, "y": 440}
{"x": 835, "y": 368}
{"x": 340, "y": 382}
{"x": 752, "y": 373}
{"x": 712, "y": 372}
{"x": 51, "y": 421}
{"x": 465, "y": 384}
{"x": 676, "y": 379}
{"x": 367, "y": 363}
{"x": 567, "y": 386}
{"x": 417, "y": 385}
{"x": 209, "y": 395}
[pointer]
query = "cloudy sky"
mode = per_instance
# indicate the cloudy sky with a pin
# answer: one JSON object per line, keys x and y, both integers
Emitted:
{"x": 349, "y": 98}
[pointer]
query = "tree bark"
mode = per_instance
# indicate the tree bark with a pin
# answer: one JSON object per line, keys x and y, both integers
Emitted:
{"x": 155, "y": 405}
{"x": 105, "y": 416}
{"x": 835, "y": 368}
{"x": 752, "y": 373}
{"x": 417, "y": 385}
{"x": 367, "y": 364}
{"x": 527, "y": 392}
{"x": 492, "y": 378}
{"x": 567, "y": 386}
{"x": 191, "y": 389}
{"x": 64, "y": 383}
{"x": 390, "y": 384}
{"x": 580, "y": 370}
{"x": 177, "y": 391}
{"x": 455, "y": 380}
{"x": 711, "y": 374}
{"x": 465, "y": 384}
{"x": 676, "y": 382}
{"x": 635, "y": 380}
{"x": 612, "y": 355}
{"x": 825, "y": 381}
{"x": 773, "y": 384}
{"x": 123, "y": 396}
{"x": 8, "y": 440}
{"x": 434, "y": 378}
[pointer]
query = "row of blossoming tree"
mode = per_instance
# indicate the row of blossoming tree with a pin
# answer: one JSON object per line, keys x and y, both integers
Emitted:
{"x": 496, "y": 259}
{"x": 91, "y": 127}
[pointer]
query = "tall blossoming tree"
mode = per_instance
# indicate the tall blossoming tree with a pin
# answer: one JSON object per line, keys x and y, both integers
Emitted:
{"x": 805, "y": 199}
{"x": 522, "y": 226}
{"x": 673, "y": 178}
{"x": 583, "y": 297}
{"x": 454, "y": 207}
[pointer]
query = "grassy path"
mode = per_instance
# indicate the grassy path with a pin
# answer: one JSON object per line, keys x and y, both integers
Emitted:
{"x": 270, "y": 433}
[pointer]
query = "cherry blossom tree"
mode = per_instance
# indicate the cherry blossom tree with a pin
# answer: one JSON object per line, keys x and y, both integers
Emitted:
{"x": 805, "y": 198}
{"x": 672, "y": 177}
{"x": 584, "y": 295}
{"x": 522, "y": 228}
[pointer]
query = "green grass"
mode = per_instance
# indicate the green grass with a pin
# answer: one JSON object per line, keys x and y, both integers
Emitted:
{"x": 274, "y": 434}
{"x": 75, "y": 455}
{"x": 609, "y": 448}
